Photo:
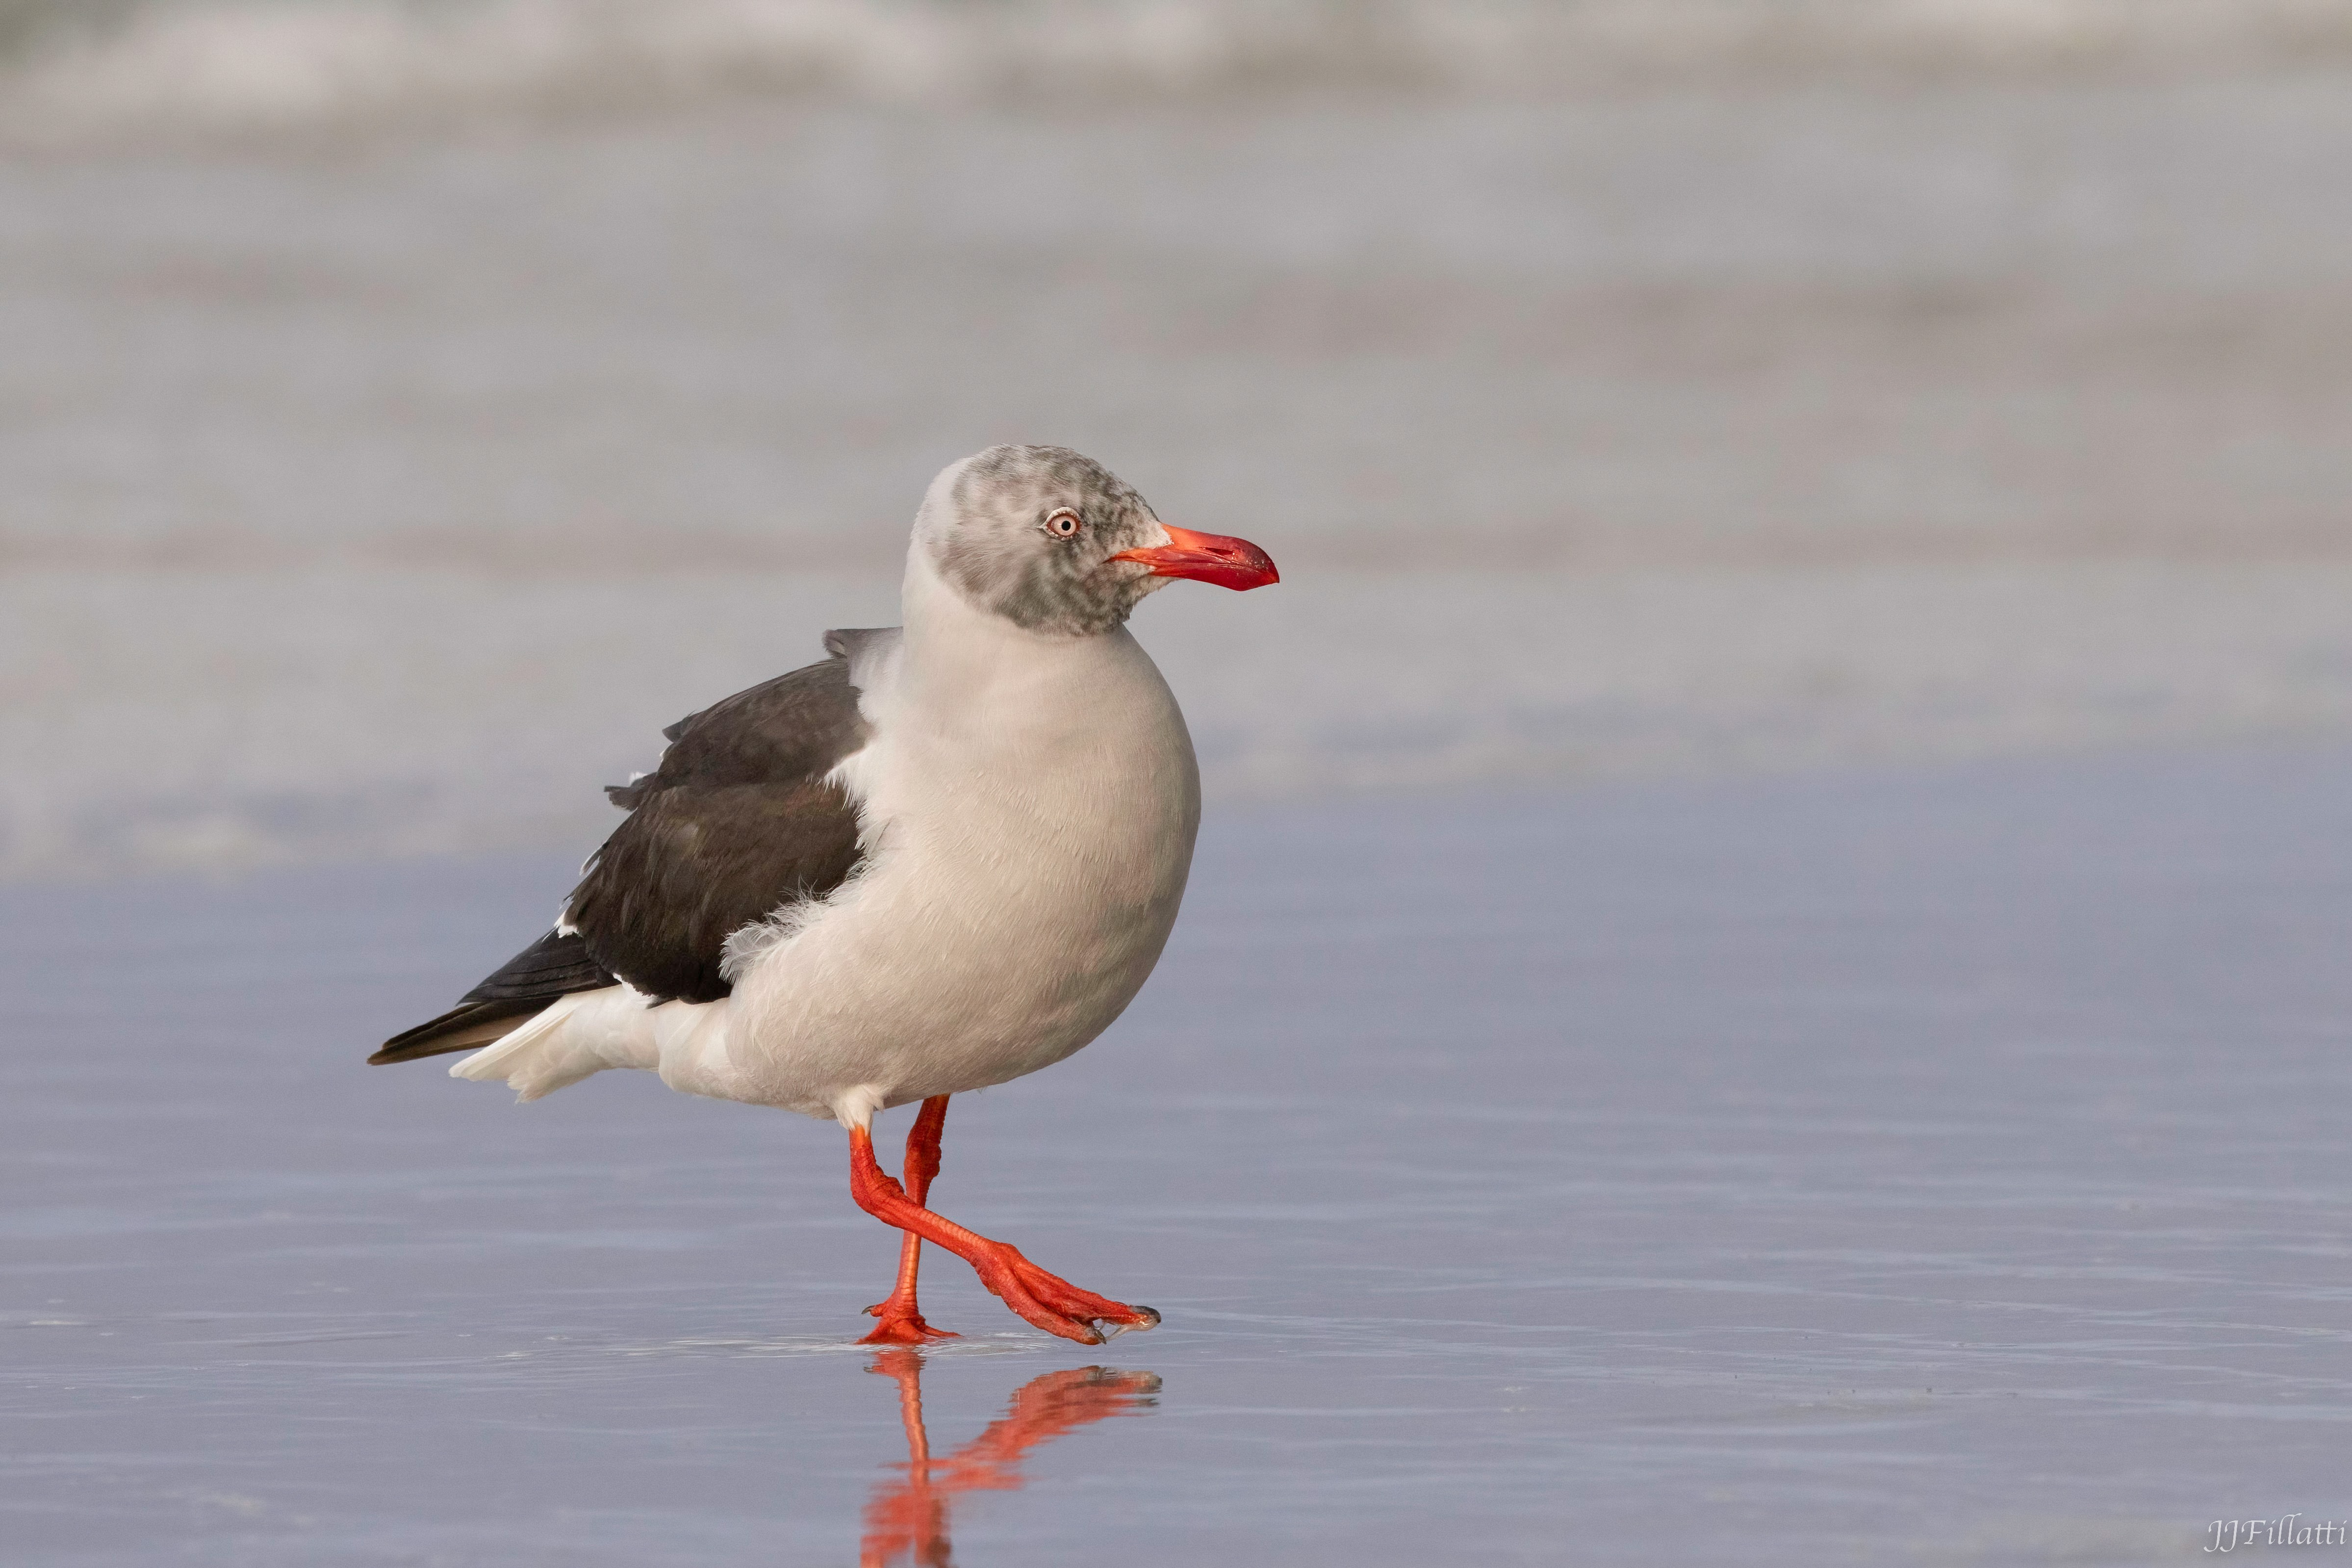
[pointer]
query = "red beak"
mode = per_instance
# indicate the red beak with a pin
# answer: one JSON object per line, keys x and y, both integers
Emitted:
{"x": 1210, "y": 557}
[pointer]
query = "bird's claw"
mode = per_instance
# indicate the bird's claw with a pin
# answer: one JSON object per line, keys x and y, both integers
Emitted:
{"x": 905, "y": 1331}
{"x": 1058, "y": 1307}
{"x": 902, "y": 1325}
{"x": 1148, "y": 1319}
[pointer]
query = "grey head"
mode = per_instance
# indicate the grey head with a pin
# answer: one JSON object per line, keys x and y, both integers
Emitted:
{"x": 1054, "y": 541}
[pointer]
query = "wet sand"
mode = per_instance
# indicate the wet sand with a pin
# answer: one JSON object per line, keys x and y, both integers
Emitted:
{"x": 1937, "y": 1164}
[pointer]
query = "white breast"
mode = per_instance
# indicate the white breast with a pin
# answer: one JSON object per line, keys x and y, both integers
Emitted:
{"x": 1029, "y": 809}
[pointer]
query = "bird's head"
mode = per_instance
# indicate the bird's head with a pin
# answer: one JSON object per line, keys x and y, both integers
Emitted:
{"x": 1056, "y": 542}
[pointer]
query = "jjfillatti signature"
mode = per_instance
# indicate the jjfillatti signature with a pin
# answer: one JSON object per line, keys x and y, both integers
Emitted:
{"x": 2229, "y": 1534}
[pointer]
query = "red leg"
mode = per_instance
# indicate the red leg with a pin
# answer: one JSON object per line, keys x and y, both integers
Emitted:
{"x": 1052, "y": 1304}
{"x": 902, "y": 1321}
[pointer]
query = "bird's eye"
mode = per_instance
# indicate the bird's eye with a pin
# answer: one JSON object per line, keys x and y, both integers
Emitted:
{"x": 1063, "y": 524}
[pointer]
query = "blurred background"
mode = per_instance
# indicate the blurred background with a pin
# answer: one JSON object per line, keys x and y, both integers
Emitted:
{"x": 1932, "y": 1154}
{"x": 413, "y": 405}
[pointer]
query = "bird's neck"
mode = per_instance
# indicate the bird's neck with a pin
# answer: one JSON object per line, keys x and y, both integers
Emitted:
{"x": 959, "y": 657}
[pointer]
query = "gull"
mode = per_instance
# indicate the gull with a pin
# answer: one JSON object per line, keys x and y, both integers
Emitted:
{"x": 944, "y": 857}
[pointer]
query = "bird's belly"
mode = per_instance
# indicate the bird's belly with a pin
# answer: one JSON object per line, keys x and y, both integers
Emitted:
{"x": 944, "y": 970}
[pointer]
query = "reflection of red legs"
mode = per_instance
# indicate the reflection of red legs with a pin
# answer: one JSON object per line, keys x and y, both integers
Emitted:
{"x": 910, "y": 1517}
{"x": 902, "y": 1322}
{"x": 1045, "y": 1408}
{"x": 1052, "y": 1303}
{"x": 913, "y": 1518}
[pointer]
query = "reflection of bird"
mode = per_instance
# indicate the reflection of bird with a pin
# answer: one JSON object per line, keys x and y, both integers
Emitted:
{"x": 913, "y": 1518}
{"x": 946, "y": 857}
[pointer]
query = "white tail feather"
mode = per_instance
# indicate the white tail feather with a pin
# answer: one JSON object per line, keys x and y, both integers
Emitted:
{"x": 589, "y": 1031}
{"x": 537, "y": 1059}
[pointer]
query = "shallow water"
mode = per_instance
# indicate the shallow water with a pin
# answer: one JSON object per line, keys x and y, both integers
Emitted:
{"x": 1940, "y": 1164}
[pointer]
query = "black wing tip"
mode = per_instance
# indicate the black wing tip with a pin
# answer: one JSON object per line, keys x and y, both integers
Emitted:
{"x": 458, "y": 1029}
{"x": 387, "y": 1054}
{"x": 557, "y": 964}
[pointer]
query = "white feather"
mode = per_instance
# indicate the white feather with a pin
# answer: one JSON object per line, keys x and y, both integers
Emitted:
{"x": 589, "y": 1031}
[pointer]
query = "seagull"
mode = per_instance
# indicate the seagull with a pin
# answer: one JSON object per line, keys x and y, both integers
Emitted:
{"x": 946, "y": 857}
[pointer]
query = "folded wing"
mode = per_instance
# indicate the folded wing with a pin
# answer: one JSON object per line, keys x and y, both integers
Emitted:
{"x": 737, "y": 823}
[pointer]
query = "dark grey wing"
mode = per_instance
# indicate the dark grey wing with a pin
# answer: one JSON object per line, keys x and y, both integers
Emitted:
{"x": 555, "y": 965}
{"x": 735, "y": 824}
